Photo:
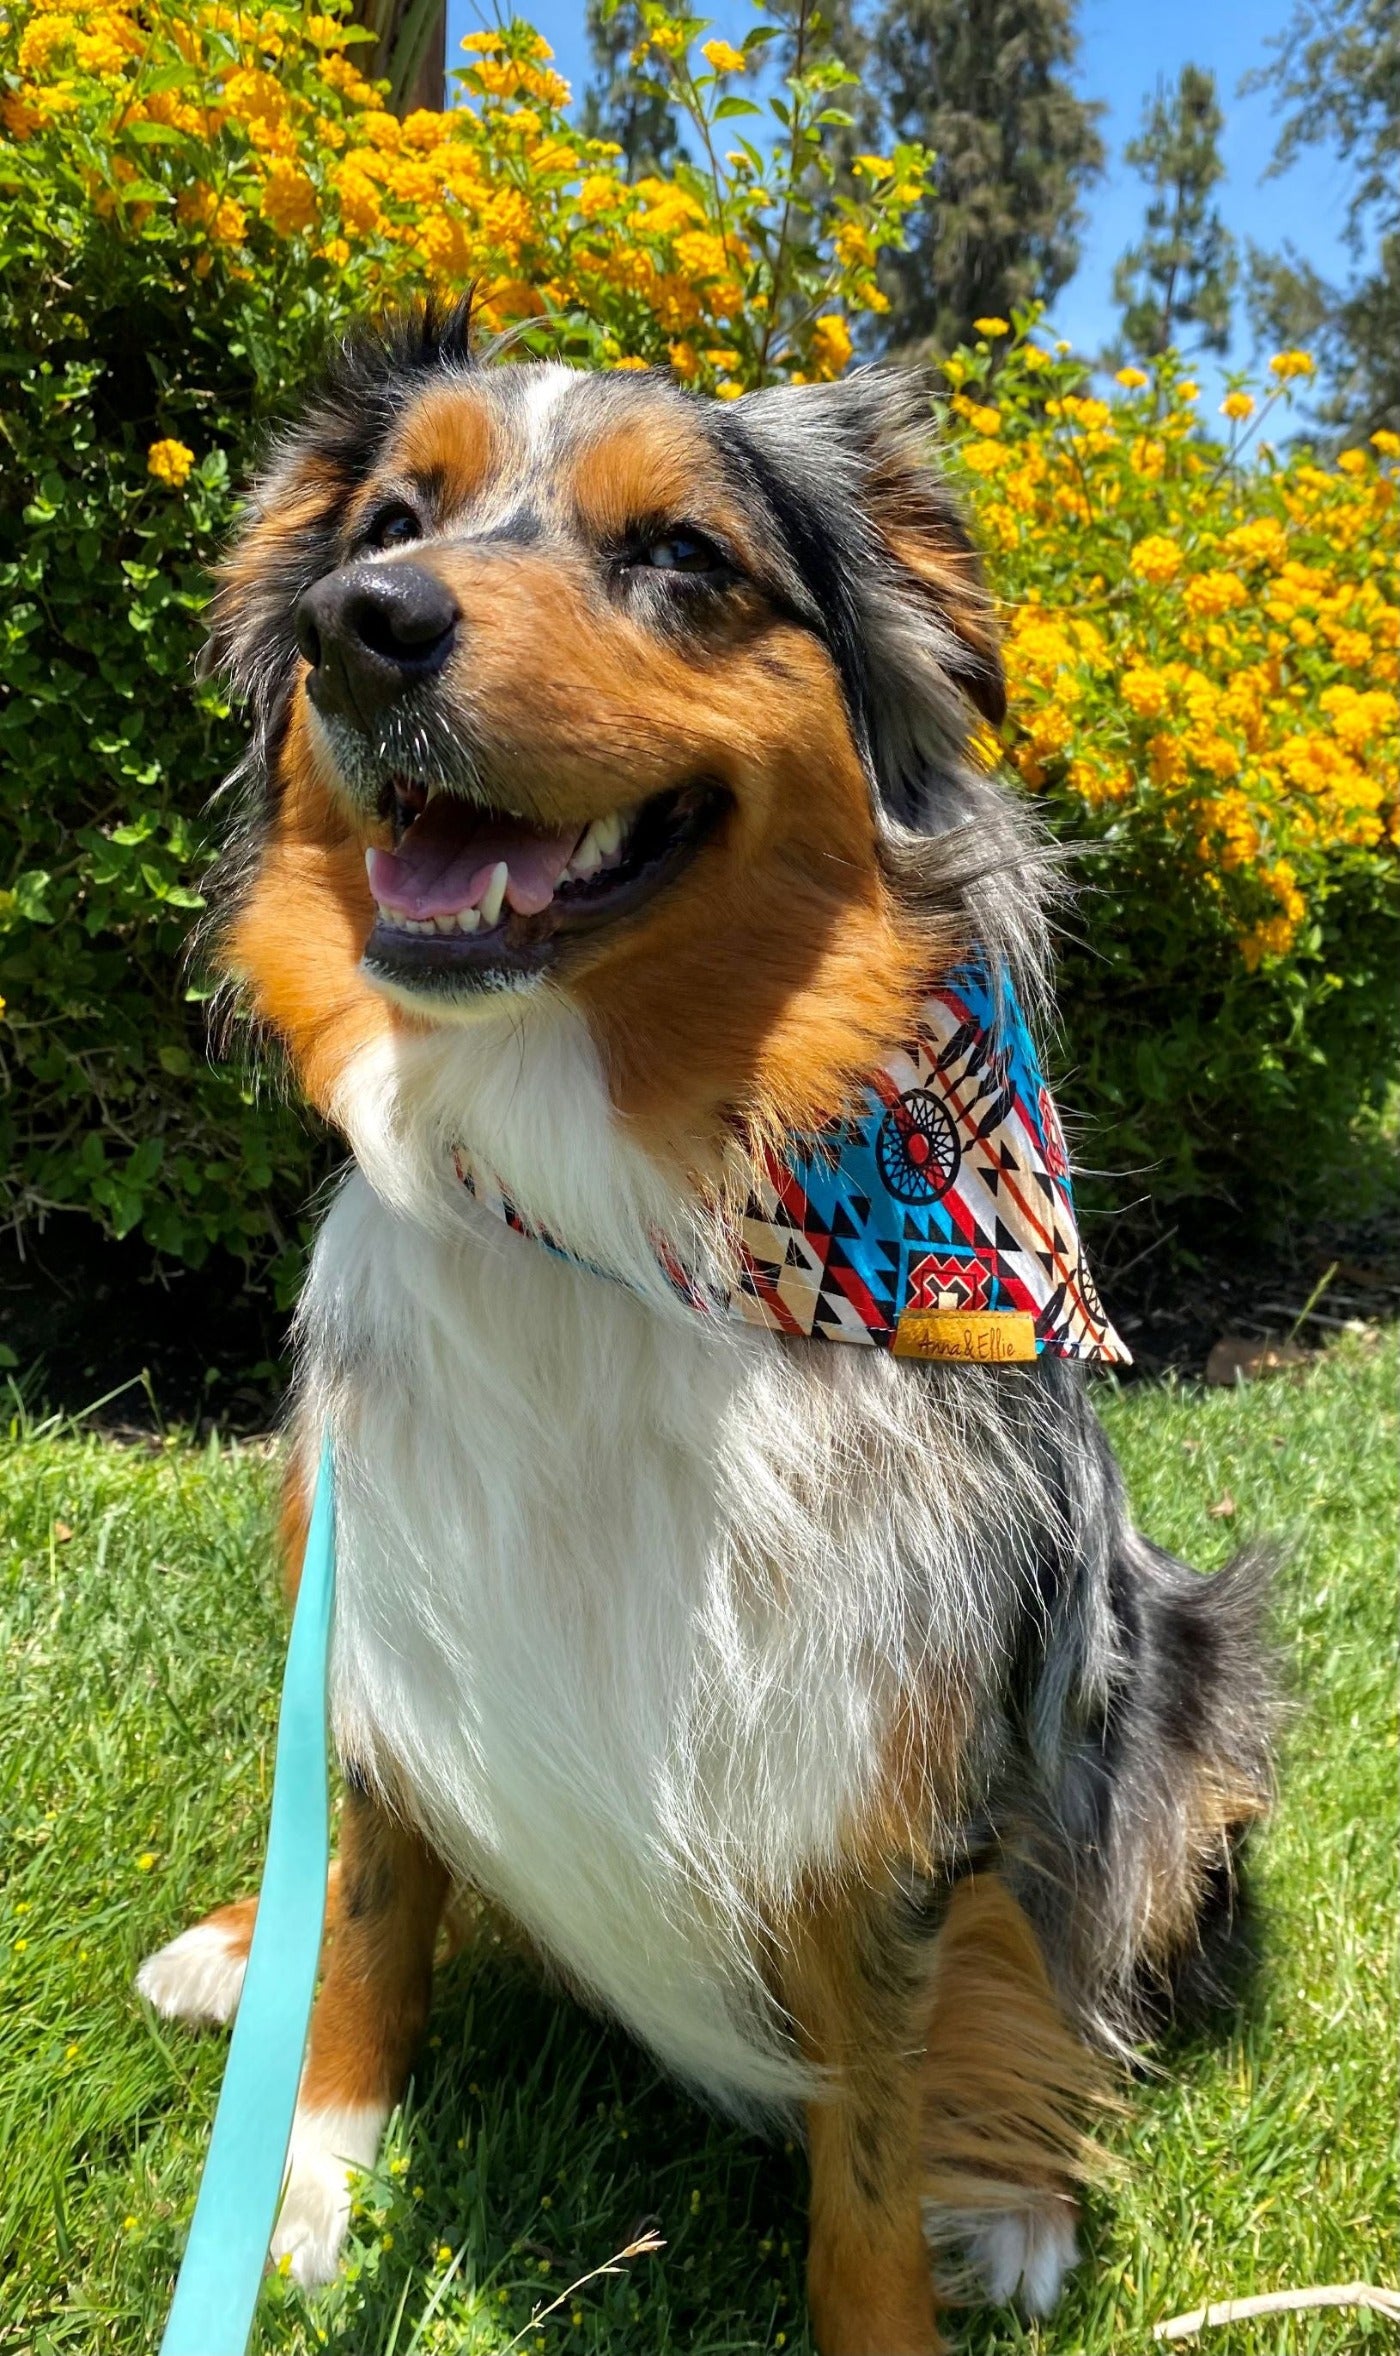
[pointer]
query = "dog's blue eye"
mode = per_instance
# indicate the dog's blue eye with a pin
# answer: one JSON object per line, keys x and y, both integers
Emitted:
{"x": 681, "y": 552}
{"x": 393, "y": 526}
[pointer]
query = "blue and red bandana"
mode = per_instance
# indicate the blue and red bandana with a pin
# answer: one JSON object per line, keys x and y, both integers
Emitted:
{"x": 936, "y": 1222}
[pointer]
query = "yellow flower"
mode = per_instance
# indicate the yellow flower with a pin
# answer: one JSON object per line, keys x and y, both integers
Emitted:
{"x": 256, "y": 99}
{"x": 1156, "y": 558}
{"x": 724, "y": 57}
{"x": 222, "y": 217}
{"x": 992, "y": 326}
{"x": 1262, "y": 541}
{"x": 853, "y": 246}
{"x": 171, "y": 463}
{"x": 1352, "y": 462}
{"x": 288, "y": 200}
{"x": 1145, "y": 692}
{"x": 831, "y": 344}
{"x": 1386, "y": 442}
{"x": 1237, "y": 405}
{"x": 1187, "y": 391}
{"x": 147, "y": 1857}
{"x": 1208, "y": 595}
{"x": 1286, "y": 365}
{"x": 1131, "y": 379}
{"x": 875, "y": 167}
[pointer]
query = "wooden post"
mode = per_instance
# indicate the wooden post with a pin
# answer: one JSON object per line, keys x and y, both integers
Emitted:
{"x": 409, "y": 53}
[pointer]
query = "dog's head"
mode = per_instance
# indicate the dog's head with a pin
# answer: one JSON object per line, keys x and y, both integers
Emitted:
{"x": 577, "y": 684}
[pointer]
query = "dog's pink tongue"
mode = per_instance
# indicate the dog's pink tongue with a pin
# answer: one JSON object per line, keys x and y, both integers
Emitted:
{"x": 446, "y": 861}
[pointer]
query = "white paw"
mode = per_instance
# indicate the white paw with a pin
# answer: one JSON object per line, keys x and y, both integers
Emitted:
{"x": 198, "y": 1977}
{"x": 328, "y": 2150}
{"x": 1024, "y": 2254}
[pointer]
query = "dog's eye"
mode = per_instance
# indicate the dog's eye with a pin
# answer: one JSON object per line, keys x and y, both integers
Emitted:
{"x": 392, "y": 526}
{"x": 680, "y": 552}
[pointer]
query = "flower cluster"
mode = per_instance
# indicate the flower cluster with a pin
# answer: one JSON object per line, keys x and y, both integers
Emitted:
{"x": 230, "y": 134}
{"x": 1199, "y": 649}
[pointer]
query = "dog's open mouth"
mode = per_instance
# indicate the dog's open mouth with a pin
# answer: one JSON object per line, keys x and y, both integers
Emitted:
{"x": 469, "y": 893}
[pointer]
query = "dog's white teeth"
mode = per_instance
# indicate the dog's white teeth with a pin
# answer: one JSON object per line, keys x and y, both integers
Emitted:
{"x": 493, "y": 898}
{"x": 600, "y": 845}
{"x": 468, "y": 919}
{"x": 445, "y": 924}
{"x": 588, "y": 857}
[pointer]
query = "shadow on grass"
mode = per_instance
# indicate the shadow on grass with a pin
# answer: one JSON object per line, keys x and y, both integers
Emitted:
{"x": 535, "y": 2144}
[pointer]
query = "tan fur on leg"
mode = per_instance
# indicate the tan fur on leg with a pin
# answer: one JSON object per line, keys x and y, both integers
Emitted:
{"x": 855, "y": 1994}
{"x": 1007, "y": 2085}
{"x": 368, "y": 2017}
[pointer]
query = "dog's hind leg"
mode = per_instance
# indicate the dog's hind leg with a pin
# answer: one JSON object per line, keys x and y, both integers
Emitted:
{"x": 198, "y": 1977}
{"x": 854, "y": 1979}
{"x": 1007, "y": 2087}
{"x": 368, "y": 2018}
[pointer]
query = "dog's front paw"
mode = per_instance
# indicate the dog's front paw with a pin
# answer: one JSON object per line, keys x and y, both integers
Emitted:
{"x": 199, "y": 1976}
{"x": 328, "y": 2150}
{"x": 1025, "y": 2254}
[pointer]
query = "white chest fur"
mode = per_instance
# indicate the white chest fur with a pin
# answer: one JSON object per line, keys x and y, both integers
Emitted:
{"x": 558, "y": 1619}
{"x": 626, "y": 1603}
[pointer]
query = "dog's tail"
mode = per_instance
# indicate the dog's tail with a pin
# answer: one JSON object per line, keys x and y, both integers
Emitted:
{"x": 1133, "y": 1874}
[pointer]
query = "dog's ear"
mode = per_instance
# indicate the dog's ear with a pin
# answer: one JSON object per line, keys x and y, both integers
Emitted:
{"x": 889, "y": 572}
{"x": 919, "y": 524}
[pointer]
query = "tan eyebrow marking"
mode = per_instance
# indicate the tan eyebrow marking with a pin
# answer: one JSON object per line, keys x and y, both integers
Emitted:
{"x": 448, "y": 444}
{"x": 654, "y": 469}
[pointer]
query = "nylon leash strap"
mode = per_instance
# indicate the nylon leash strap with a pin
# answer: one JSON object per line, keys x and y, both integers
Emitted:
{"x": 222, "y": 2269}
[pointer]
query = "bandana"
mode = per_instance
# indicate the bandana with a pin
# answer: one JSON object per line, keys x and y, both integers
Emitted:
{"x": 936, "y": 1221}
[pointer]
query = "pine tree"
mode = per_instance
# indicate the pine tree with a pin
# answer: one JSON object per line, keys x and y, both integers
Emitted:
{"x": 986, "y": 84}
{"x": 1179, "y": 280}
{"x": 1336, "y": 70}
{"x": 626, "y": 102}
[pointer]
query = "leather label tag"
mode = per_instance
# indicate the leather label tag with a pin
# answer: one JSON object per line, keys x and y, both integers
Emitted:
{"x": 994, "y": 1338}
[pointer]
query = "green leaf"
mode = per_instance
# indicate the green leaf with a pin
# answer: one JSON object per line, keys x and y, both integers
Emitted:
{"x": 30, "y": 890}
{"x": 729, "y": 108}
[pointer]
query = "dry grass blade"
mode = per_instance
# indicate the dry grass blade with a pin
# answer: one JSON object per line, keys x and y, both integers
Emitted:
{"x": 1331, "y": 2294}
{"x": 646, "y": 2246}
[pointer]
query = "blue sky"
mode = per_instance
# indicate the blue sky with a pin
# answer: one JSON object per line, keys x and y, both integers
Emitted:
{"x": 1125, "y": 46}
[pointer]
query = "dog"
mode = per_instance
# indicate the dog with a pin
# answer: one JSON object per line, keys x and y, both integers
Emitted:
{"x": 616, "y": 793}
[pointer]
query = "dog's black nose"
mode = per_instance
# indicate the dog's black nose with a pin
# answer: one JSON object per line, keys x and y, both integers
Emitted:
{"x": 372, "y": 631}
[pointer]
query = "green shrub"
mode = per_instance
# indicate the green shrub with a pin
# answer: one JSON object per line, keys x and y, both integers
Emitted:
{"x": 1203, "y": 656}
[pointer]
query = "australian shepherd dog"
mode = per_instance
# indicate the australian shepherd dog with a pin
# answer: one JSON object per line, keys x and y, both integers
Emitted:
{"x": 613, "y": 796}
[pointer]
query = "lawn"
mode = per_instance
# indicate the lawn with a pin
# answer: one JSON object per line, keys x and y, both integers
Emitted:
{"x": 142, "y": 1637}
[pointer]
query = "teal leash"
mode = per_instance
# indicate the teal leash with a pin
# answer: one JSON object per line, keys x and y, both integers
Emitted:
{"x": 222, "y": 2269}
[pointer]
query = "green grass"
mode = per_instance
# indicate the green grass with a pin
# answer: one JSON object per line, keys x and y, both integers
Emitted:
{"x": 136, "y": 1721}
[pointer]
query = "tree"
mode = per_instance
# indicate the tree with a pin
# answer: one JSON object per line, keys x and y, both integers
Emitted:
{"x": 627, "y": 101}
{"x": 987, "y": 85}
{"x": 1180, "y": 279}
{"x": 1335, "y": 76}
{"x": 410, "y": 49}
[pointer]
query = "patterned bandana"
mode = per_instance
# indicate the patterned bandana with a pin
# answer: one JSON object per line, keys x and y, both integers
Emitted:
{"x": 936, "y": 1222}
